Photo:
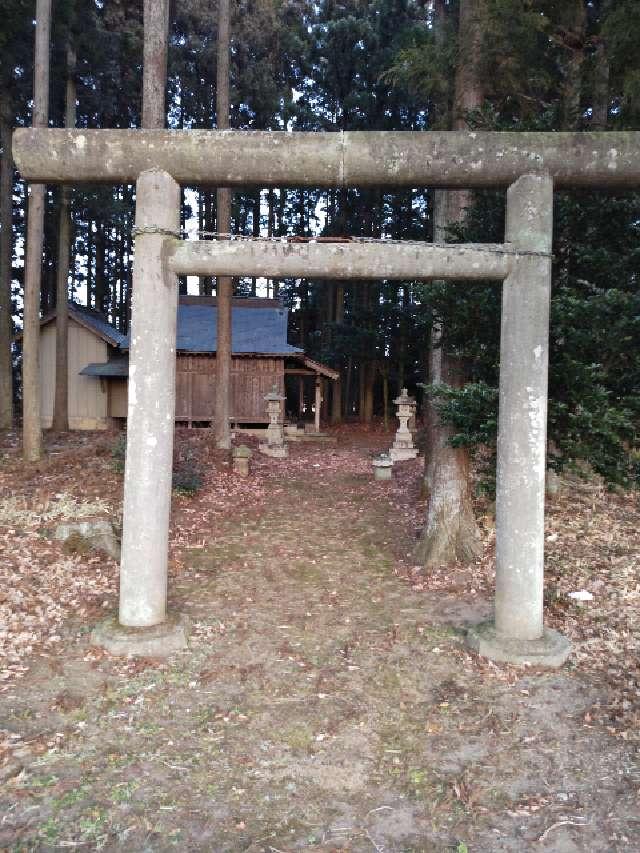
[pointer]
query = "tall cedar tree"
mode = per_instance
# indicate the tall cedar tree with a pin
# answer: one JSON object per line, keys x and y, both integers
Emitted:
{"x": 6, "y": 256}
{"x": 450, "y": 531}
{"x": 224, "y": 284}
{"x": 32, "y": 429}
{"x": 61, "y": 399}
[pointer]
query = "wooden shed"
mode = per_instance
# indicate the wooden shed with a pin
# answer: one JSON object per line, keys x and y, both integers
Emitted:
{"x": 99, "y": 364}
{"x": 91, "y": 339}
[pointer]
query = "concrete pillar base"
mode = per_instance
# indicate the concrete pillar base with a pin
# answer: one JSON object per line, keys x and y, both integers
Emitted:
{"x": 157, "y": 641}
{"x": 551, "y": 650}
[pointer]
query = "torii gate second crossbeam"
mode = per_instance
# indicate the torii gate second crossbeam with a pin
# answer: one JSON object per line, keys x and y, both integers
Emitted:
{"x": 528, "y": 163}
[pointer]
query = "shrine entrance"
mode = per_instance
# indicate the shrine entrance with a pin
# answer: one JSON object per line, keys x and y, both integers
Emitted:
{"x": 528, "y": 164}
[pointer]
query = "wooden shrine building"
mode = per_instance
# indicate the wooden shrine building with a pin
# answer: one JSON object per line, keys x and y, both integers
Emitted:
{"x": 99, "y": 365}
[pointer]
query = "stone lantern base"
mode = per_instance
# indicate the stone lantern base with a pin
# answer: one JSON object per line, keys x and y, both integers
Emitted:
{"x": 277, "y": 451}
{"x": 401, "y": 454}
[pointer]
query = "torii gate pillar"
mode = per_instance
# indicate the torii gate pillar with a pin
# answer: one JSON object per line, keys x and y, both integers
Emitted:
{"x": 517, "y": 634}
{"x": 143, "y": 627}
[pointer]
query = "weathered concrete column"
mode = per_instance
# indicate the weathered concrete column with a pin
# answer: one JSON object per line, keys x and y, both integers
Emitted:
{"x": 151, "y": 412}
{"x": 518, "y": 634}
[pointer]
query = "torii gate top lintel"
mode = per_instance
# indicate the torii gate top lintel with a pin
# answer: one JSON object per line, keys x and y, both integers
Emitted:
{"x": 463, "y": 159}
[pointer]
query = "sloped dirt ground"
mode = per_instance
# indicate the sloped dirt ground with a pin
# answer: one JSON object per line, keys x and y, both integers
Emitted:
{"x": 327, "y": 701}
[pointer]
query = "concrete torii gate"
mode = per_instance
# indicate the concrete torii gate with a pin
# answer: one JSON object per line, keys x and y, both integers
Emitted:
{"x": 529, "y": 164}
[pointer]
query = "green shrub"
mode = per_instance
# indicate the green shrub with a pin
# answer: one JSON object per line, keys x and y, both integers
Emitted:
{"x": 187, "y": 474}
{"x": 118, "y": 453}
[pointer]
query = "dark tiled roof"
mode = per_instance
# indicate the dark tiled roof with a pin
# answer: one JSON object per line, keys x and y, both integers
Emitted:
{"x": 98, "y": 323}
{"x": 259, "y": 330}
{"x": 254, "y": 330}
{"x": 117, "y": 367}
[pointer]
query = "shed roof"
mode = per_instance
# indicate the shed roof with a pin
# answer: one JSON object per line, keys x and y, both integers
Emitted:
{"x": 321, "y": 369}
{"x": 97, "y": 323}
{"x": 91, "y": 320}
{"x": 117, "y": 368}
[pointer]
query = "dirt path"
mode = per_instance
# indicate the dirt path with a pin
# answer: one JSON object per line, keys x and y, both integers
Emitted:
{"x": 323, "y": 705}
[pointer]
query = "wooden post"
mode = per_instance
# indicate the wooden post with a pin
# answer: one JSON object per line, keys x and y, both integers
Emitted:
{"x": 301, "y": 396}
{"x": 318, "y": 401}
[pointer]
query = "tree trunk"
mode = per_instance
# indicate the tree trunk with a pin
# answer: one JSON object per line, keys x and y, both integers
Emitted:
{"x": 336, "y": 390}
{"x": 369, "y": 387}
{"x": 362, "y": 384}
{"x": 101, "y": 272}
{"x": 601, "y": 98}
{"x": 385, "y": 397}
{"x": 575, "y": 43}
{"x": 61, "y": 399}
{"x": 255, "y": 229}
{"x": 348, "y": 388}
{"x": 202, "y": 287}
{"x": 119, "y": 313}
{"x": 48, "y": 286}
{"x": 271, "y": 230}
{"x": 6, "y": 256}
{"x": 450, "y": 531}
{"x": 402, "y": 341}
{"x": 89, "y": 262}
{"x": 32, "y": 427}
{"x": 182, "y": 279}
{"x": 126, "y": 308}
{"x": 154, "y": 74}
{"x": 116, "y": 243}
{"x": 224, "y": 284}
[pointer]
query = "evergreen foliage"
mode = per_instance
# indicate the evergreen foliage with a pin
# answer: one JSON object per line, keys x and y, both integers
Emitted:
{"x": 377, "y": 65}
{"x": 594, "y": 379}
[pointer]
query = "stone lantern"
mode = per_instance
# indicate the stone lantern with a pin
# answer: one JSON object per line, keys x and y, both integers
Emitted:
{"x": 403, "y": 447}
{"x": 275, "y": 444}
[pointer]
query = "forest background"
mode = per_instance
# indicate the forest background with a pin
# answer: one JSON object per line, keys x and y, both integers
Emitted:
{"x": 359, "y": 65}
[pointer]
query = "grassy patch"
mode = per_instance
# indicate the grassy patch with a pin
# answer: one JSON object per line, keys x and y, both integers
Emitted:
{"x": 124, "y": 791}
{"x": 299, "y": 738}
